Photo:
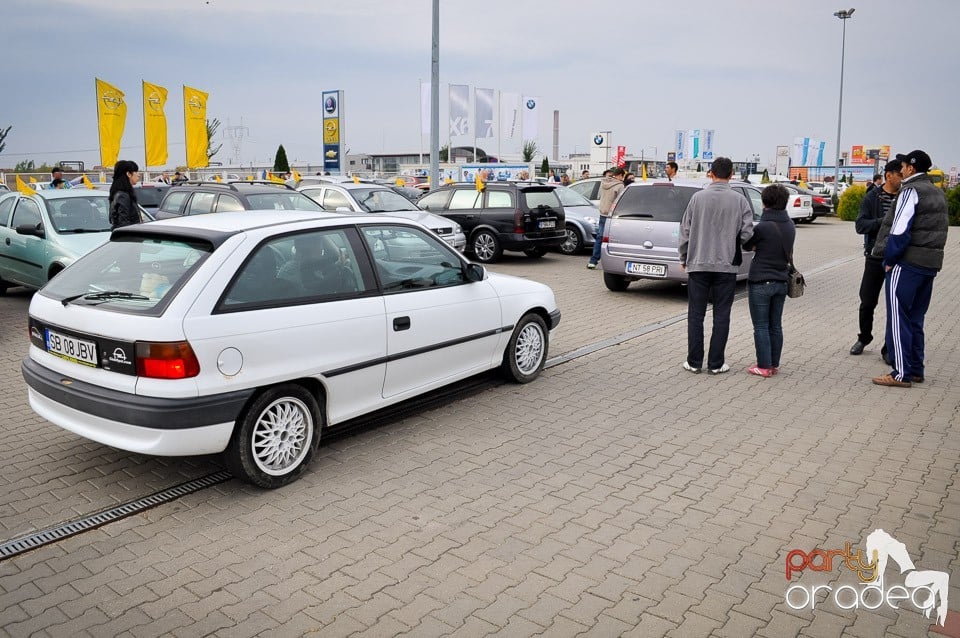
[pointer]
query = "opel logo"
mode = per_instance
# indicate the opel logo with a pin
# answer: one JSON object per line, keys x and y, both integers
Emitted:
{"x": 154, "y": 102}
{"x": 111, "y": 100}
{"x": 196, "y": 106}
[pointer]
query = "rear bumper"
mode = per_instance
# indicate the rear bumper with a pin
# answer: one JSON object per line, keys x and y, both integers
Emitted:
{"x": 155, "y": 413}
{"x": 515, "y": 241}
{"x": 617, "y": 265}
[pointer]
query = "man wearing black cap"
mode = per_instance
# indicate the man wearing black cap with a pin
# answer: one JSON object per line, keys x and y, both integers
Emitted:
{"x": 876, "y": 204}
{"x": 911, "y": 244}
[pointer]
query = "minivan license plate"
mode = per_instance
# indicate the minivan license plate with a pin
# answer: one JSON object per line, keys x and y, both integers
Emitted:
{"x": 71, "y": 348}
{"x": 656, "y": 270}
{"x": 550, "y": 223}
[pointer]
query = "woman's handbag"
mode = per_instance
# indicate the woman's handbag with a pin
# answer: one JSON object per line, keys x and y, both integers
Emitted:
{"x": 795, "y": 282}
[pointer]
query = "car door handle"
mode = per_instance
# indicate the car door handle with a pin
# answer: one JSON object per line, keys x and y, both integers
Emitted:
{"x": 401, "y": 323}
{"x": 6, "y": 240}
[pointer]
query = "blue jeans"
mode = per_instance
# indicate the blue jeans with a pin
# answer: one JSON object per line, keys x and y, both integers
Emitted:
{"x": 766, "y": 310}
{"x": 595, "y": 257}
{"x": 702, "y": 288}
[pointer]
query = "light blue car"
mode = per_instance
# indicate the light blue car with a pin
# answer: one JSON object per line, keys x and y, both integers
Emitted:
{"x": 42, "y": 234}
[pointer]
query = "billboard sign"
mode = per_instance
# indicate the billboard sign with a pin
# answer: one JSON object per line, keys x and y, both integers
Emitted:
{"x": 332, "y": 105}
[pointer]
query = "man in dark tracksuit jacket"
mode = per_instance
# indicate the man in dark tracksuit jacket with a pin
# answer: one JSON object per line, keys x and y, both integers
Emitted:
{"x": 876, "y": 204}
{"x": 912, "y": 248}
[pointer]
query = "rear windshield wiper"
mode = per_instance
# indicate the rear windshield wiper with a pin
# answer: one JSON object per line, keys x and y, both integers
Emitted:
{"x": 83, "y": 230}
{"x": 105, "y": 295}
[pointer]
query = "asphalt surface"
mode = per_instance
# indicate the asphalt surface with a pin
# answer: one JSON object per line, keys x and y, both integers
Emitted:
{"x": 617, "y": 495}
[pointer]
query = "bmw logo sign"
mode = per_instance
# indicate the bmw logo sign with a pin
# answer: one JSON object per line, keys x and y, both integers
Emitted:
{"x": 531, "y": 104}
{"x": 330, "y": 104}
{"x": 598, "y": 139}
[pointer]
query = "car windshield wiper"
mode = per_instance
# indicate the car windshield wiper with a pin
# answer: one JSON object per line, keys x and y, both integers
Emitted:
{"x": 83, "y": 230}
{"x": 105, "y": 295}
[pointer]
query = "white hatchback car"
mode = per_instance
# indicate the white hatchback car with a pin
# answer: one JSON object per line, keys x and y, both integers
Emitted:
{"x": 248, "y": 334}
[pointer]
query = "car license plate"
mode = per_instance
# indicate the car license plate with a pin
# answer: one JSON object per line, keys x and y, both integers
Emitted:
{"x": 550, "y": 223}
{"x": 656, "y": 270}
{"x": 72, "y": 349}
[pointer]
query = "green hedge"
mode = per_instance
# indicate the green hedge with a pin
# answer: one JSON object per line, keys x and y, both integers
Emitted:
{"x": 953, "y": 203}
{"x": 849, "y": 206}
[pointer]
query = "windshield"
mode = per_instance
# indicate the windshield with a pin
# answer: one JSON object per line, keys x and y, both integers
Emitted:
{"x": 131, "y": 274}
{"x": 570, "y": 197}
{"x": 381, "y": 200}
{"x": 80, "y": 214}
{"x": 288, "y": 200}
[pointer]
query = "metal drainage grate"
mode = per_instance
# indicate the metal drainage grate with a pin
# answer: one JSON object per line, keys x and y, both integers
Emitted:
{"x": 65, "y": 530}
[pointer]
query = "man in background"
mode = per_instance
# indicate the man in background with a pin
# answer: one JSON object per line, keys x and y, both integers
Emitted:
{"x": 874, "y": 206}
{"x": 671, "y": 169}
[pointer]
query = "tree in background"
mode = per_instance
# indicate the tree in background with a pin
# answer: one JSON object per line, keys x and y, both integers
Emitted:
{"x": 212, "y": 126}
{"x": 953, "y": 205}
{"x": 529, "y": 150}
{"x": 444, "y": 154}
{"x": 24, "y": 166}
{"x": 3, "y": 137}
{"x": 280, "y": 164}
{"x": 849, "y": 206}
{"x": 545, "y": 166}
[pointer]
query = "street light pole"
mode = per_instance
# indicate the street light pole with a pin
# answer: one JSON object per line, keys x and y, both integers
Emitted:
{"x": 844, "y": 15}
{"x": 435, "y": 101}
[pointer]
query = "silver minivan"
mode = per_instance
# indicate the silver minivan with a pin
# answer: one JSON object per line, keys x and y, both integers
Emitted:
{"x": 642, "y": 238}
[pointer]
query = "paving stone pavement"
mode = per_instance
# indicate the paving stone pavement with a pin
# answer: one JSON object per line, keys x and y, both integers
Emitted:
{"x": 618, "y": 495}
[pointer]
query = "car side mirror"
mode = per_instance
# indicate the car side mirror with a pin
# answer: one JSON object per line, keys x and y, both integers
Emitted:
{"x": 32, "y": 230}
{"x": 475, "y": 272}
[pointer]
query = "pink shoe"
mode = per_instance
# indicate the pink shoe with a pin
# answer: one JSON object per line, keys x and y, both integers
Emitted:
{"x": 775, "y": 370}
{"x": 761, "y": 372}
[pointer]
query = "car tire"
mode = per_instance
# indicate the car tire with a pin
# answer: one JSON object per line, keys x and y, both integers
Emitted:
{"x": 3, "y": 287}
{"x": 526, "y": 351}
{"x": 616, "y": 283}
{"x": 535, "y": 253}
{"x": 486, "y": 247}
{"x": 572, "y": 243}
{"x": 276, "y": 437}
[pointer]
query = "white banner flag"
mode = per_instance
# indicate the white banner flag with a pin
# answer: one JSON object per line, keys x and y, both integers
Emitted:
{"x": 425, "y": 107}
{"x": 483, "y": 113}
{"x": 459, "y": 110}
{"x": 509, "y": 116}
{"x": 531, "y": 118}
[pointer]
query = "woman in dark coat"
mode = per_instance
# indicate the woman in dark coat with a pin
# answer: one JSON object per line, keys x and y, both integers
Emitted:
{"x": 772, "y": 245}
{"x": 123, "y": 198}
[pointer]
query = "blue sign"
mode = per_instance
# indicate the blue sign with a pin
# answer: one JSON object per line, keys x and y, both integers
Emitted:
{"x": 708, "y": 155}
{"x": 331, "y": 157}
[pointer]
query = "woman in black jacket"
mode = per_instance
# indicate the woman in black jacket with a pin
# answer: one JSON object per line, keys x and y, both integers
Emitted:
{"x": 123, "y": 199}
{"x": 772, "y": 245}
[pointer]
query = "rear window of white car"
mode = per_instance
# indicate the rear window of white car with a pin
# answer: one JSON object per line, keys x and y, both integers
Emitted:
{"x": 659, "y": 203}
{"x": 136, "y": 275}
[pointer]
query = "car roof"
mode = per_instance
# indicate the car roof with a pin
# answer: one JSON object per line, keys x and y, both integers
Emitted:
{"x": 242, "y": 187}
{"x": 67, "y": 193}
{"x": 348, "y": 185}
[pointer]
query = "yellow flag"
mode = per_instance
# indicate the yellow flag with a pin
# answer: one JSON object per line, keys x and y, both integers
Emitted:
{"x": 23, "y": 188}
{"x": 401, "y": 182}
{"x": 643, "y": 173}
{"x": 217, "y": 179}
{"x": 356, "y": 180}
{"x": 33, "y": 180}
{"x": 296, "y": 176}
{"x": 195, "y": 125}
{"x": 111, "y": 118}
{"x": 86, "y": 181}
{"x": 155, "y": 124}
{"x": 478, "y": 181}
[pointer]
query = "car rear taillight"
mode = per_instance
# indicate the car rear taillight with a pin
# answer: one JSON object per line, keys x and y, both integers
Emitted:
{"x": 171, "y": 360}
{"x": 797, "y": 203}
{"x": 819, "y": 200}
{"x": 605, "y": 239}
{"x": 518, "y": 222}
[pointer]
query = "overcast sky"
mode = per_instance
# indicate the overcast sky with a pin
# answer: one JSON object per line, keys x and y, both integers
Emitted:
{"x": 759, "y": 73}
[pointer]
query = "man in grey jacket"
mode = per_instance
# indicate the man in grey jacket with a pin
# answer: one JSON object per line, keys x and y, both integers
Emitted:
{"x": 717, "y": 221}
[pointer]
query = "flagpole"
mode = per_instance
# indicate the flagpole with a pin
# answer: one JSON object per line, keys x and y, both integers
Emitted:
{"x": 499, "y": 126}
{"x": 143, "y": 105}
{"x": 186, "y": 151}
{"x": 99, "y": 136}
{"x": 420, "y": 84}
